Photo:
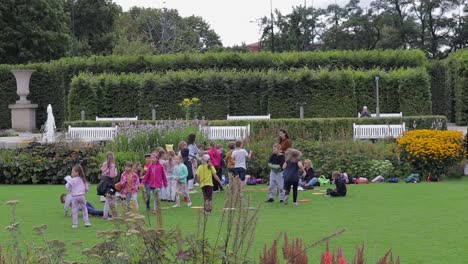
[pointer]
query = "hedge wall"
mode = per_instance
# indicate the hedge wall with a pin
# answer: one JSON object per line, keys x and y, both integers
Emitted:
{"x": 326, "y": 93}
{"x": 458, "y": 82}
{"x": 51, "y": 82}
{"x": 308, "y": 128}
{"x": 440, "y": 90}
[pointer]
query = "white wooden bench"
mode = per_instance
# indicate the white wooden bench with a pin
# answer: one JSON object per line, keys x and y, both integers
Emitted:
{"x": 112, "y": 119}
{"x": 377, "y": 131}
{"x": 225, "y": 132}
{"x": 92, "y": 133}
{"x": 385, "y": 115}
{"x": 252, "y": 117}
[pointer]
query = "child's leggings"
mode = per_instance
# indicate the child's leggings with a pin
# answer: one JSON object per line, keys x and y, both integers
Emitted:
{"x": 155, "y": 193}
{"x": 181, "y": 189}
{"x": 276, "y": 181}
{"x": 287, "y": 189}
{"x": 110, "y": 202}
{"x": 132, "y": 197}
{"x": 79, "y": 202}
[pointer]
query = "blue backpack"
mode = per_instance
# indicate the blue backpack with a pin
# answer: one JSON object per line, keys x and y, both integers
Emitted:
{"x": 393, "y": 180}
{"x": 413, "y": 178}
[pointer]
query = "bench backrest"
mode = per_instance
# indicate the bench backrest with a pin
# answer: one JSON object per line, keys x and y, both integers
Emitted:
{"x": 378, "y": 131}
{"x": 251, "y": 117}
{"x": 225, "y": 132}
{"x": 385, "y": 115}
{"x": 92, "y": 133}
{"x": 117, "y": 118}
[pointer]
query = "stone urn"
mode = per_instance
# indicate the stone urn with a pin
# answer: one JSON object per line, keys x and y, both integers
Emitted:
{"x": 23, "y": 112}
{"x": 22, "y": 84}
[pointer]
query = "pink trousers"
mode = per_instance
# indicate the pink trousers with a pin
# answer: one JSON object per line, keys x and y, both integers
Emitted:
{"x": 77, "y": 203}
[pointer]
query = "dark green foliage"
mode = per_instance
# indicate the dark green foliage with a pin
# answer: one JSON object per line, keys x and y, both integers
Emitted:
{"x": 458, "y": 81}
{"x": 32, "y": 31}
{"x": 55, "y": 79}
{"x": 440, "y": 90}
{"x": 47, "y": 164}
{"x": 326, "y": 93}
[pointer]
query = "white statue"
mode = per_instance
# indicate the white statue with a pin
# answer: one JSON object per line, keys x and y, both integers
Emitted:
{"x": 49, "y": 130}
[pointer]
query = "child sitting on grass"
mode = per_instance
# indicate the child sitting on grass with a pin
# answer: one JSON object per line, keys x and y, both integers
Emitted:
{"x": 66, "y": 199}
{"x": 340, "y": 186}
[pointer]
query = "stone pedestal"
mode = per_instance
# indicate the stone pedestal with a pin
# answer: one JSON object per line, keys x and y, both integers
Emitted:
{"x": 23, "y": 116}
{"x": 23, "y": 113}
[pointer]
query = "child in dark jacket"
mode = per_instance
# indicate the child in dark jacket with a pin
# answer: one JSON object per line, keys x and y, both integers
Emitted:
{"x": 275, "y": 163}
{"x": 340, "y": 186}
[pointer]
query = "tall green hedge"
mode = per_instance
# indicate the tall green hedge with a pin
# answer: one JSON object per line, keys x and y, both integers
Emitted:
{"x": 326, "y": 93}
{"x": 51, "y": 82}
{"x": 458, "y": 82}
{"x": 440, "y": 90}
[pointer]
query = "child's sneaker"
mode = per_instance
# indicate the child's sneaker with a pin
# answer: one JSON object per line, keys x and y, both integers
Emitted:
{"x": 286, "y": 198}
{"x": 87, "y": 224}
{"x": 196, "y": 184}
{"x": 295, "y": 204}
{"x": 270, "y": 200}
{"x": 175, "y": 206}
{"x": 189, "y": 204}
{"x": 74, "y": 226}
{"x": 300, "y": 188}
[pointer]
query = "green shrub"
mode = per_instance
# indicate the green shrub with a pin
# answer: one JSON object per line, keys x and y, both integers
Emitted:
{"x": 358, "y": 159}
{"x": 440, "y": 90}
{"x": 458, "y": 82}
{"x": 326, "y": 93}
{"x": 47, "y": 163}
{"x": 50, "y": 83}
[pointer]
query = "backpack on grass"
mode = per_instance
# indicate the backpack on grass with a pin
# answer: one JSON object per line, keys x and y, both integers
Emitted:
{"x": 393, "y": 180}
{"x": 322, "y": 180}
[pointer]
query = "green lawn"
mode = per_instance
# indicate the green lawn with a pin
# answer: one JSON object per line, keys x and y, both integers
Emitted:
{"x": 422, "y": 223}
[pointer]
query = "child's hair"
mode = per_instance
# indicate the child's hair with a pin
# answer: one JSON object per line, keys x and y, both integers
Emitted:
{"x": 219, "y": 146}
{"x": 62, "y": 197}
{"x": 135, "y": 168}
{"x": 232, "y": 145}
{"x": 109, "y": 155}
{"x": 184, "y": 153}
{"x": 81, "y": 173}
{"x": 129, "y": 164}
{"x": 293, "y": 155}
{"x": 171, "y": 156}
{"x": 308, "y": 160}
{"x": 239, "y": 143}
{"x": 191, "y": 139}
{"x": 336, "y": 174}
{"x": 286, "y": 135}
{"x": 161, "y": 152}
{"x": 206, "y": 160}
{"x": 182, "y": 145}
{"x": 212, "y": 144}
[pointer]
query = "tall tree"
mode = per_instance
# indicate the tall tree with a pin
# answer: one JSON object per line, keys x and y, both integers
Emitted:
{"x": 32, "y": 31}
{"x": 165, "y": 31}
{"x": 94, "y": 25}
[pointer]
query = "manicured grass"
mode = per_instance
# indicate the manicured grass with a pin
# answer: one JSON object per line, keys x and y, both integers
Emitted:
{"x": 422, "y": 223}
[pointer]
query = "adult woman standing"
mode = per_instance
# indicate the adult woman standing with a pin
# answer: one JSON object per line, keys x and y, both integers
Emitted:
{"x": 284, "y": 140}
{"x": 193, "y": 154}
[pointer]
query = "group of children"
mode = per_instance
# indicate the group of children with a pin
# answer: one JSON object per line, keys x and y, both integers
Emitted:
{"x": 167, "y": 176}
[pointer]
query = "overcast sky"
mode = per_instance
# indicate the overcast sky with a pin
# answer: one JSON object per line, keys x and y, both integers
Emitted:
{"x": 229, "y": 18}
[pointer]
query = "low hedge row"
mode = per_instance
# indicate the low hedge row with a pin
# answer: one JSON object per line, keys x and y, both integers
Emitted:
{"x": 307, "y": 129}
{"x": 50, "y": 83}
{"x": 326, "y": 93}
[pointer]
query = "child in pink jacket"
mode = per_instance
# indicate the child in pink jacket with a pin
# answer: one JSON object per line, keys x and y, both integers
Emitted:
{"x": 156, "y": 178}
{"x": 130, "y": 183}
